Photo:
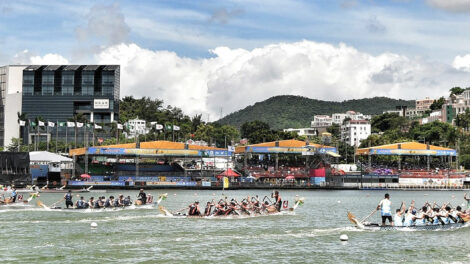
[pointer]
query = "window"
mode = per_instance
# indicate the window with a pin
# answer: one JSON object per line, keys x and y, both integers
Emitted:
{"x": 48, "y": 78}
{"x": 87, "y": 90}
{"x": 88, "y": 78}
{"x": 47, "y": 90}
{"x": 67, "y": 90}
{"x": 67, "y": 79}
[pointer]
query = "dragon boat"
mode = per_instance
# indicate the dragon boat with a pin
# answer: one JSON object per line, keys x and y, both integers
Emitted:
{"x": 240, "y": 212}
{"x": 377, "y": 227}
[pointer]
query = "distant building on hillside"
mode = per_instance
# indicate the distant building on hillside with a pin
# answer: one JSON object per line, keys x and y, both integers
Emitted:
{"x": 320, "y": 123}
{"x": 455, "y": 105}
{"x": 353, "y": 131}
{"x": 424, "y": 104}
{"x": 136, "y": 127}
{"x": 308, "y": 132}
{"x": 434, "y": 116}
{"x": 339, "y": 118}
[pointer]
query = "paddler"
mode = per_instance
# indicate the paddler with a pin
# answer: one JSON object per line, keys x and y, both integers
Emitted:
{"x": 277, "y": 200}
{"x": 68, "y": 199}
{"x": 127, "y": 201}
{"x": 385, "y": 207}
{"x": 80, "y": 204}
{"x": 208, "y": 210}
{"x": 194, "y": 209}
{"x": 398, "y": 217}
{"x": 142, "y": 197}
{"x": 13, "y": 195}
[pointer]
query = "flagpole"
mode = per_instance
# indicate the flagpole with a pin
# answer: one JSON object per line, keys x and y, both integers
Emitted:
{"x": 37, "y": 136}
{"x": 47, "y": 137}
{"x": 75, "y": 136}
{"x": 66, "y": 136}
{"x": 56, "y": 134}
{"x": 93, "y": 135}
{"x": 173, "y": 131}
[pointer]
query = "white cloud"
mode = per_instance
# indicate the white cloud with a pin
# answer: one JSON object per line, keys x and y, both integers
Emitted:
{"x": 26, "y": 57}
{"x": 49, "y": 59}
{"x": 462, "y": 63}
{"x": 451, "y": 5}
{"x": 235, "y": 78}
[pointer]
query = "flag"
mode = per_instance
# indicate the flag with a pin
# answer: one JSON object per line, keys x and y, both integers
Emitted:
{"x": 50, "y": 124}
{"x": 32, "y": 123}
{"x": 61, "y": 124}
{"x": 119, "y": 126}
{"x": 88, "y": 125}
{"x": 168, "y": 127}
{"x": 226, "y": 183}
{"x": 70, "y": 124}
{"x": 41, "y": 124}
{"x": 176, "y": 128}
{"x": 100, "y": 140}
{"x": 98, "y": 127}
{"x": 79, "y": 124}
{"x": 158, "y": 127}
{"x": 22, "y": 123}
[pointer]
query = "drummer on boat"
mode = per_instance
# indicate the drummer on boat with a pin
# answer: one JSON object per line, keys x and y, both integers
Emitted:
{"x": 385, "y": 207}
{"x": 68, "y": 199}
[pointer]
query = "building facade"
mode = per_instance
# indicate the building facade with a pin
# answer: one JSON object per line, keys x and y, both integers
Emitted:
{"x": 10, "y": 102}
{"x": 136, "y": 127}
{"x": 353, "y": 131}
{"x": 57, "y": 93}
{"x": 424, "y": 104}
{"x": 308, "y": 132}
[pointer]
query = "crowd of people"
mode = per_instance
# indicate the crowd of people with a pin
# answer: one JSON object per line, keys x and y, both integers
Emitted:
{"x": 428, "y": 214}
{"x": 247, "y": 206}
{"x": 103, "y": 202}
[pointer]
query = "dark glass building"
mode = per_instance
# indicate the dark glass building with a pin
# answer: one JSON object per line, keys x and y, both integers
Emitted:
{"x": 59, "y": 92}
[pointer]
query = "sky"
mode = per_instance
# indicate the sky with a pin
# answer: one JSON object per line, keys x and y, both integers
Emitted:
{"x": 215, "y": 57}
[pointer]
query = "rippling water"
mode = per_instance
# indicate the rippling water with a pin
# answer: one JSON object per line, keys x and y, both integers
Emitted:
{"x": 311, "y": 235}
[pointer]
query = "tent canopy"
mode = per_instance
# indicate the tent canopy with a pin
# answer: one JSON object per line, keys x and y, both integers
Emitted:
{"x": 228, "y": 173}
{"x": 284, "y": 146}
{"x": 160, "y": 144}
{"x": 47, "y": 156}
{"x": 407, "y": 148}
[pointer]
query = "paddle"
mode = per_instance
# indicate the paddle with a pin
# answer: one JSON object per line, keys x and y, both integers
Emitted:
{"x": 52, "y": 205}
{"x": 89, "y": 188}
{"x": 365, "y": 218}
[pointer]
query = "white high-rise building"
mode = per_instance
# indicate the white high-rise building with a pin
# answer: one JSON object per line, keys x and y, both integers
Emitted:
{"x": 353, "y": 131}
{"x": 11, "y": 89}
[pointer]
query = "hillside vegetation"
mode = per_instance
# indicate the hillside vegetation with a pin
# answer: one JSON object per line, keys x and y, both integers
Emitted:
{"x": 289, "y": 111}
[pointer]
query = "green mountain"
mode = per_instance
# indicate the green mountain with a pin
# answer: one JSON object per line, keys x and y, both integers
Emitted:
{"x": 289, "y": 111}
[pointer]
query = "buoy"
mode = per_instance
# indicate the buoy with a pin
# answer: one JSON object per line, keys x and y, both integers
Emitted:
{"x": 344, "y": 237}
{"x": 93, "y": 225}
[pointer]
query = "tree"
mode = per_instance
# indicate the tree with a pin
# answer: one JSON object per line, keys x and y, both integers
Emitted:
{"x": 437, "y": 104}
{"x": 334, "y": 130}
{"x": 456, "y": 91}
{"x": 388, "y": 121}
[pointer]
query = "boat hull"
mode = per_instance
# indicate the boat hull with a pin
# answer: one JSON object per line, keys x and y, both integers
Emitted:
{"x": 375, "y": 227}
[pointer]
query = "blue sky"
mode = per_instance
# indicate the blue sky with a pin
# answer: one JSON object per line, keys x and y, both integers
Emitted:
{"x": 213, "y": 50}
{"x": 191, "y": 28}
